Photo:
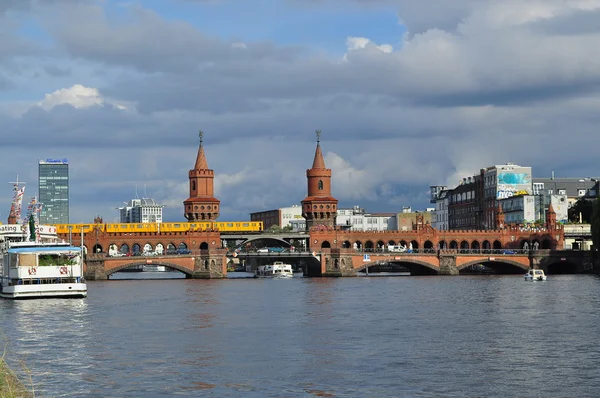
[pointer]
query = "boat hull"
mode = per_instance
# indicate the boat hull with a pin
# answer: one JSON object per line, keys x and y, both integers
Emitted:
{"x": 64, "y": 290}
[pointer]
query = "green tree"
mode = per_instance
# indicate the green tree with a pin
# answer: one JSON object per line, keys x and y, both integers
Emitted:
{"x": 582, "y": 206}
{"x": 595, "y": 223}
{"x": 274, "y": 229}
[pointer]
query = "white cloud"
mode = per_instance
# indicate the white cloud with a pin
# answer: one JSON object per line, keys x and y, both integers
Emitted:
{"x": 78, "y": 96}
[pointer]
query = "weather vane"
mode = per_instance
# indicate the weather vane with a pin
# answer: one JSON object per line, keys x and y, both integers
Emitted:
{"x": 318, "y": 135}
{"x": 201, "y": 134}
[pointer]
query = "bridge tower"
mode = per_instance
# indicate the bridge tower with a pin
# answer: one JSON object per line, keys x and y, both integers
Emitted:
{"x": 319, "y": 207}
{"x": 201, "y": 205}
{"x": 550, "y": 218}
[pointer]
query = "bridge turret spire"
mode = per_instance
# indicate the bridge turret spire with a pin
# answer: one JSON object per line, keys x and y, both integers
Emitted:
{"x": 201, "y": 204}
{"x": 319, "y": 207}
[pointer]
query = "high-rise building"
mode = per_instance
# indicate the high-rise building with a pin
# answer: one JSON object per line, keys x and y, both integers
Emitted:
{"x": 53, "y": 191}
{"x": 141, "y": 211}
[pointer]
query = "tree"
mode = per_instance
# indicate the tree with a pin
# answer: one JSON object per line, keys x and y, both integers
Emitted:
{"x": 582, "y": 206}
{"x": 595, "y": 223}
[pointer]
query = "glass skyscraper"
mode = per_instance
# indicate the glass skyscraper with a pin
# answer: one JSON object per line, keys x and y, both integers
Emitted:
{"x": 53, "y": 188}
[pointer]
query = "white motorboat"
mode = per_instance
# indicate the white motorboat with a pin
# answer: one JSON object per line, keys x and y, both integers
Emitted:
{"x": 535, "y": 275}
{"x": 34, "y": 262}
{"x": 277, "y": 270}
{"x": 35, "y": 269}
{"x": 154, "y": 268}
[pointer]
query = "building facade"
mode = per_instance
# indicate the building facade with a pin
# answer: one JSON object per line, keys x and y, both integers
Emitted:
{"x": 53, "y": 191}
{"x": 439, "y": 217}
{"x": 141, "y": 211}
{"x": 572, "y": 188}
{"x": 500, "y": 182}
{"x": 465, "y": 205}
{"x": 282, "y": 217}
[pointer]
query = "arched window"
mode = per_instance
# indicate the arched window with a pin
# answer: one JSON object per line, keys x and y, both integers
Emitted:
{"x": 320, "y": 185}
{"x": 193, "y": 185}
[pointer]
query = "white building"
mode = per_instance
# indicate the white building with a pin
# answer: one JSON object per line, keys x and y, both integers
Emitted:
{"x": 528, "y": 209}
{"x": 289, "y": 214}
{"x": 439, "y": 217}
{"x": 141, "y": 211}
{"x": 356, "y": 219}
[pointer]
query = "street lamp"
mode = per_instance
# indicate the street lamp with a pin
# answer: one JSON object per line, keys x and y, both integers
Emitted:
{"x": 70, "y": 235}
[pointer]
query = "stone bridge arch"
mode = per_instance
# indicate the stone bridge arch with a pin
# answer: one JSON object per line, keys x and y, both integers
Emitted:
{"x": 415, "y": 266}
{"x": 265, "y": 238}
{"x": 497, "y": 265}
{"x": 140, "y": 263}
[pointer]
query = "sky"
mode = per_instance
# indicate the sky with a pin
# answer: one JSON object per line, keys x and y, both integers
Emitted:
{"x": 407, "y": 94}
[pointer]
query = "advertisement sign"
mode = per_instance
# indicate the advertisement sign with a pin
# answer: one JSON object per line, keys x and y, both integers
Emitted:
{"x": 513, "y": 184}
{"x": 55, "y": 161}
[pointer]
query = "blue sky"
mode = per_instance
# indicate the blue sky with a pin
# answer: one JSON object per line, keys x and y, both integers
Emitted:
{"x": 121, "y": 89}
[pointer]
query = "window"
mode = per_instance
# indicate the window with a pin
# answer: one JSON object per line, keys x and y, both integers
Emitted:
{"x": 320, "y": 185}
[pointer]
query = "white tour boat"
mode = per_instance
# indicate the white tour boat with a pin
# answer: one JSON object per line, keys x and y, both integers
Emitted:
{"x": 278, "y": 270}
{"x": 535, "y": 275}
{"x": 34, "y": 262}
{"x": 154, "y": 268}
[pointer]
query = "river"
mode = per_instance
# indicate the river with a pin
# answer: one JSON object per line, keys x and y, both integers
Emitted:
{"x": 465, "y": 336}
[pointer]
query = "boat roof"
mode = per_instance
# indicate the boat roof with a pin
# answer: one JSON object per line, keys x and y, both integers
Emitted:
{"x": 44, "y": 249}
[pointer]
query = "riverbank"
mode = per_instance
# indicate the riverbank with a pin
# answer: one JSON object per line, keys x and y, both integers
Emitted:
{"x": 10, "y": 385}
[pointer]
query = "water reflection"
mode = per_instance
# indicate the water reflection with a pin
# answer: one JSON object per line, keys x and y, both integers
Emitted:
{"x": 351, "y": 337}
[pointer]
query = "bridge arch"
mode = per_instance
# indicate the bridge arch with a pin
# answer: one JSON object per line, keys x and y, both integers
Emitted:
{"x": 415, "y": 244}
{"x": 204, "y": 246}
{"x": 475, "y": 245}
{"x": 464, "y": 246}
{"x": 416, "y": 267}
{"x": 369, "y": 245}
{"x": 497, "y": 245}
{"x": 442, "y": 244}
{"x": 279, "y": 240}
{"x": 428, "y": 245}
{"x": 504, "y": 265}
{"x": 325, "y": 244}
{"x": 346, "y": 244}
{"x": 453, "y": 245}
{"x": 154, "y": 262}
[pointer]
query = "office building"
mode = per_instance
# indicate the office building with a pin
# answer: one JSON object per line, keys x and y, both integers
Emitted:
{"x": 53, "y": 191}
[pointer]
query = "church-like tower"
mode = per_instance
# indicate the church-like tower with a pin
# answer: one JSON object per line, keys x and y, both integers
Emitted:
{"x": 319, "y": 207}
{"x": 201, "y": 205}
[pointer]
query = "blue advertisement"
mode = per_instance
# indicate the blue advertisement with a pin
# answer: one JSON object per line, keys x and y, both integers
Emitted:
{"x": 514, "y": 179}
{"x": 513, "y": 184}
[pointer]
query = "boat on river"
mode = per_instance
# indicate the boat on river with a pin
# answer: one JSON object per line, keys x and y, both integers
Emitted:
{"x": 277, "y": 270}
{"x": 535, "y": 275}
{"x": 34, "y": 262}
{"x": 154, "y": 268}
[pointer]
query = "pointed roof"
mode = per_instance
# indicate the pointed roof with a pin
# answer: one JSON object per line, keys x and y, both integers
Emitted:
{"x": 201, "y": 163}
{"x": 550, "y": 209}
{"x": 318, "y": 163}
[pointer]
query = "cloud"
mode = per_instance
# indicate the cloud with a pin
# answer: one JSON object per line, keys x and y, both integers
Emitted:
{"x": 473, "y": 83}
{"x": 77, "y": 96}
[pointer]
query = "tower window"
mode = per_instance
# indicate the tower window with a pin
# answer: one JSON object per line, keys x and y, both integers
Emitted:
{"x": 193, "y": 185}
{"x": 320, "y": 185}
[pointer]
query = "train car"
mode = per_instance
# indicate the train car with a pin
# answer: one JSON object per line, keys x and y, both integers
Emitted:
{"x": 73, "y": 228}
{"x": 231, "y": 226}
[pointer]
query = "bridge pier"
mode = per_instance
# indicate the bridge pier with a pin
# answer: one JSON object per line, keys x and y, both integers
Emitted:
{"x": 210, "y": 266}
{"x": 94, "y": 269}
{"x": 336, "y": 264}
{"x": 448, "y": 264}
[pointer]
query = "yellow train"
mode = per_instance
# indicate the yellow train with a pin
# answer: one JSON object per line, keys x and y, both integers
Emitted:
{"x": 234, "y": 226}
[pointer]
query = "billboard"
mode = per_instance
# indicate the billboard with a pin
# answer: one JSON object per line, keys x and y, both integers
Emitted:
{"x": 513, "y": 183}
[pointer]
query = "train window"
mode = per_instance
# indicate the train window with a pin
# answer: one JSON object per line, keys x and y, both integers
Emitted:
{"x": 85, "y": 226}
{"x": 237, "y": 224}
{"x": 177, "y": 225}
{"x": 140, "y": 226}
{"x": 230, "y": 225}
{"x": 245, "y": 224}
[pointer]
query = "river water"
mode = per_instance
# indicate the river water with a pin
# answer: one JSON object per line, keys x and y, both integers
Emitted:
{"x": 465, "y": 336}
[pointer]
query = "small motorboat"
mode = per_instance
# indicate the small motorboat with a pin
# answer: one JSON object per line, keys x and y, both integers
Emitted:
{"x": 535, "y": 275}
